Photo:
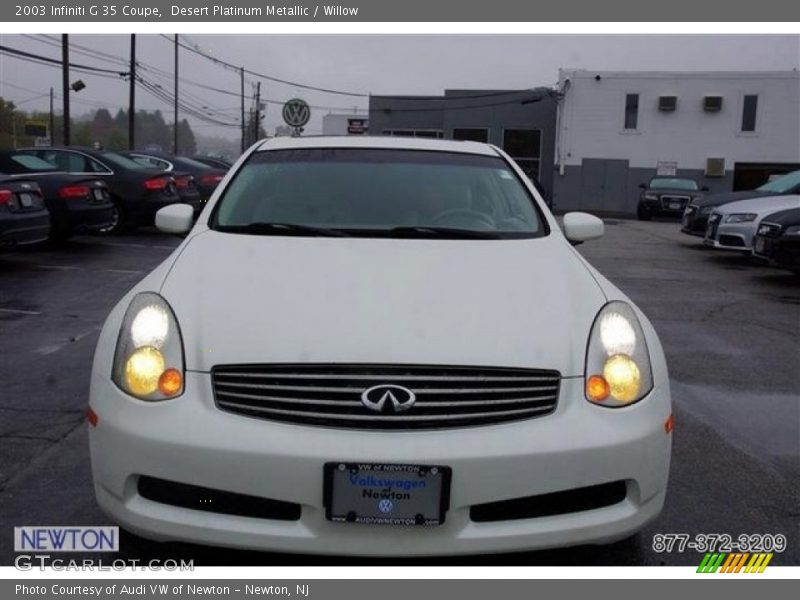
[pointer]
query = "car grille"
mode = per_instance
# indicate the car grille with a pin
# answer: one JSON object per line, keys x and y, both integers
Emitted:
{"x": 667, "y": 200}
{"x": 713, "y": 225}
{"x": 331, "y": 394}
{"x": 770, "y": 230}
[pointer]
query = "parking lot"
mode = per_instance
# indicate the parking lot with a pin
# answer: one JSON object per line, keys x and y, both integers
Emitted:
{"x": 729, "y": 327}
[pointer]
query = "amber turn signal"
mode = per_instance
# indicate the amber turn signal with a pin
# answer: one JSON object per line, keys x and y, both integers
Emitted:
{"x": 170, "y": 382}
{"x": 669, "y": 424}
{"x": 597, "y": 388}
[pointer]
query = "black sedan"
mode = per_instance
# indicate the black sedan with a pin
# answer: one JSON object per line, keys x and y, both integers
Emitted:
{"x": 206, "y": 178}
{"x": 137, "y": 192}
{"x": 77, "y": 203}
{"x": 23, "y": 216}
{"x": 213, "y": 161}
{"x": 695, "y": 217}
{"x": 777, "y": 239}
{"x": 667, "y": 196}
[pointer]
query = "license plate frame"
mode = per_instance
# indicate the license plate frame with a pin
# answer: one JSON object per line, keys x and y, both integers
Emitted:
{"x": 98, "y": 195}
{"x": 25, "y": 200}
{"x": 343, "y": 504}
{"x": 675, "y": 205}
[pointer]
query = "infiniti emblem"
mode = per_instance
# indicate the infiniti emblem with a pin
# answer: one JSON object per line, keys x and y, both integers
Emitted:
{"x": 395, "y": 398}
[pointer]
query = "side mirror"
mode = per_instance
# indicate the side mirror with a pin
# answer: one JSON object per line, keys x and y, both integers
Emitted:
{"x": 704, "y": 188}
{"x": 175, "y": 218}
{"x": 580, "y": 227}
{"x": 642, "y": 186}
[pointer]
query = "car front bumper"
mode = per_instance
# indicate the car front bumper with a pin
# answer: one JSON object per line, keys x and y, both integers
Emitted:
{"x": 731, "y": 236}
{"x": 188, "y": 440}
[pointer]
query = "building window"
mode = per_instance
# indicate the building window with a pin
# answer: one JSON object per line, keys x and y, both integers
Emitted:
{"x": 471, "y": 134}
{"x": 749, "y": 109}
{"x": 421, "y": 133}
{"x": 525, "y": 147}
{"x": 631, "y": 111}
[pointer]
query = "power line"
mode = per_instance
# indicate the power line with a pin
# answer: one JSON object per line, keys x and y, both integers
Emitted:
{"x": 268, "y": 77}
{"x": 45, "y": 59}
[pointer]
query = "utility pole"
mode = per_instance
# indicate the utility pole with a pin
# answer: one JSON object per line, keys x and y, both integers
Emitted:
{"x": 52, "y": 120}
{"x": 257, "y": 113}
{"x": 65, "y": 83}
{"x": 244, "y": 124}
{"x": 175, "y": 140}
{"x": 132, "y": 97}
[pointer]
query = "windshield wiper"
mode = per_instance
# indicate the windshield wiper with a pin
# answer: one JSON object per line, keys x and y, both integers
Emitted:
{"x": 264, "y": 228}
{"x": 443, "y": 232}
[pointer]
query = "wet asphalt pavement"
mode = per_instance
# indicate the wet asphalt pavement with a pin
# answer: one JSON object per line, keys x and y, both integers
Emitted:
{"x": 730, "y": 329}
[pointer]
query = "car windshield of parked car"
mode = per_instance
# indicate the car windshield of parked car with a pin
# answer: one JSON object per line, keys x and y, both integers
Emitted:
{"x": 125, "y": 162}
{"x": 670, "y": 183}
{"x": 24, "y": 163}
{"x": 378, "y": 193}
{"x": 782, "y": 185}
{"x": 189, "y": 164}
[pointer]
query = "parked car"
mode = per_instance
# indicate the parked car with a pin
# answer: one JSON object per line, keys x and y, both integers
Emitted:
{"x": 137, "y": 192}
{"x": 732, "y": 226}
{"x": 185, "y": 182}
{"x": 695, "y": 217}
{"x": 385, "y": 331}
{"x": 76, "y": 203}
{"x": 778, "y": 239}
{"x": 23, "y": 215}
{"x": 666, "y": 196}
{"x": 213, "y": 161}
{"x": 206, "y": 178}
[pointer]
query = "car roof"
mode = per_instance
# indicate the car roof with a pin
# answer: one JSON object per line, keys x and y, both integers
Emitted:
{"x": 764, "y": 205}
{"x": 385, "y": 142}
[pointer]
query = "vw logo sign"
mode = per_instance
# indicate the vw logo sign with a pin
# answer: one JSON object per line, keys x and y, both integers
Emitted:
{"x": 388, "y": 398}
{"x": 385, "y": 506}
{"x": 296, "y": 112}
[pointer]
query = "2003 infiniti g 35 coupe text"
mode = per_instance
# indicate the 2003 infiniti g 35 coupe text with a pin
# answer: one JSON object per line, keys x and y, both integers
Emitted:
{"x": 379, "y": 346}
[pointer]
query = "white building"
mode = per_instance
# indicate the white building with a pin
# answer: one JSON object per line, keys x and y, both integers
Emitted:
{"x": 615, "y": 130}
{"x": 345, "y": 124}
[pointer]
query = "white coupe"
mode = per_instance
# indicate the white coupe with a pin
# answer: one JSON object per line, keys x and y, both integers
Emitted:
{"x": 379, "y": 346}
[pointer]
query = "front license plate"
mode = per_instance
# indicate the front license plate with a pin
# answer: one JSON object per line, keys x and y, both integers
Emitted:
{"x": 675, "y": 205}
{"x": 759, "y": 245}
{"x": 386, "y": 494}
{"x": 25, "y": 200}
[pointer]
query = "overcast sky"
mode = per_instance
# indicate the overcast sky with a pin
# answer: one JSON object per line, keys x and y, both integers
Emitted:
{"x": 380, "y": 64}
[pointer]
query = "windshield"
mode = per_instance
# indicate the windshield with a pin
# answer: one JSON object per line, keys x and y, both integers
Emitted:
{"x": 22, "y": 163}
{"x": 783, "y": 184}
{"x": 378, "y": 192}
{"x": 124, "y": 162}
{"x": 671, "y": 183}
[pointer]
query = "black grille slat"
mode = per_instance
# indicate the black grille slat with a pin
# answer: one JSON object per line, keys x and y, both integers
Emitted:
{"x": 330, "y": 395}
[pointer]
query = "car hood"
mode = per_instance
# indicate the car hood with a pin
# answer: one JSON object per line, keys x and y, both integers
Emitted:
{"x": 726, "y": 197}
{"x": 267, "y": 299}
{"x": 673, "y": 192}
{"x": 761, "y": 206}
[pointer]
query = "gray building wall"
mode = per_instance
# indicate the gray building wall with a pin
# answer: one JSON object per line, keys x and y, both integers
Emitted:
{"x": 494, "y": 110}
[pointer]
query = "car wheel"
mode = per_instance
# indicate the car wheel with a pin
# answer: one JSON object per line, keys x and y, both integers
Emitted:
{"x": 117, "y": 220}
{"x": 642, "y": 214}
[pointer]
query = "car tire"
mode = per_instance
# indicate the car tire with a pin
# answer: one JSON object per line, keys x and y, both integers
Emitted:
{"x": 118, "y": 223}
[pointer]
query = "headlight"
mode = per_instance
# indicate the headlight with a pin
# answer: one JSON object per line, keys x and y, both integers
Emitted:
{"x": 792, "y": 230}
{"x": 618, "y": 369}
{"x": 148, "y": 361}
{"x": 740, "y": 218}
{"x": 650, "y": 197}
